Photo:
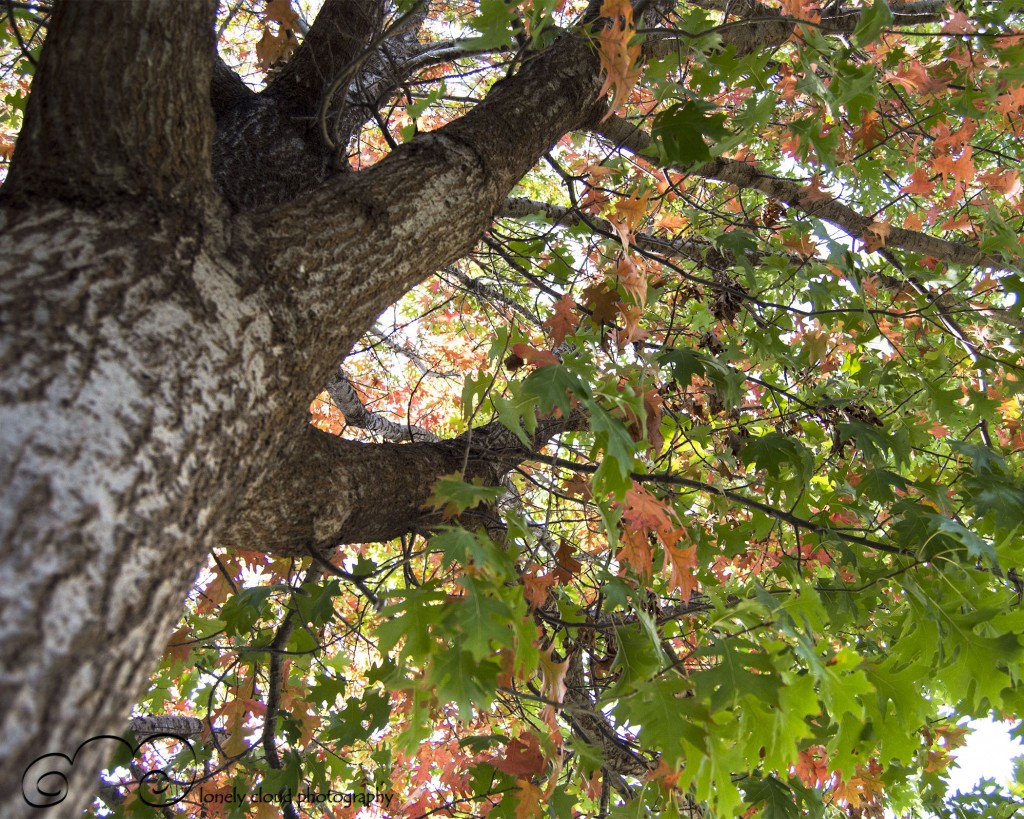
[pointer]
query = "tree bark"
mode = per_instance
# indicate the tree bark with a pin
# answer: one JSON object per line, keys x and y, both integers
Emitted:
{"x": 158, "y": 352}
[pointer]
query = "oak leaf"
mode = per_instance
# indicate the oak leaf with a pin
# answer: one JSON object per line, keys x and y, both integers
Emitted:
{"x": 531, "y": 355}
{"x": 536, "y": 587}
{"x": 567, "y": 566}
{"x": 643, "y": 510}
{"x": 553, "y": 686}
{"x": 636, "y": 552}
{"x": 683, "y": 561}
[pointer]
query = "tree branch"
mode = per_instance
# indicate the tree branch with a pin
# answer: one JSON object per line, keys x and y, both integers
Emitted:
{"x": 744, "y": 175}
{"x": 139, "y": 146}
{"x": 338, "y": 35}
{"x": 375, "y": 245}
{"x": 356, "y": 415}
{"x": 327, "y": 491}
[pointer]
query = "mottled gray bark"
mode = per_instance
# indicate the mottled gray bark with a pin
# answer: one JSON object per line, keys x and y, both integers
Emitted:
{"x": 159, "y": 353}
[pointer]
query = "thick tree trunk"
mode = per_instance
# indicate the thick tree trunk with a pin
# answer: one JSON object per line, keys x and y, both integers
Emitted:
{"x": 124, "y": 441}
{"x": 157, "y": 352}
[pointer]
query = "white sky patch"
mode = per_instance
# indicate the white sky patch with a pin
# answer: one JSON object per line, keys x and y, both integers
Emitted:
{"x": 988, "y": 754}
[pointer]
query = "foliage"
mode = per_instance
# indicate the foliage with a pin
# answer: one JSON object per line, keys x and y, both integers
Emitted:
{"x": 781, "y": 282}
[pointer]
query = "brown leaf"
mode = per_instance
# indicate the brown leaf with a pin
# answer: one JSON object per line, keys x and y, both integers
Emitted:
{"x": 602, "y": 302}
{"x": 568, "y": 566}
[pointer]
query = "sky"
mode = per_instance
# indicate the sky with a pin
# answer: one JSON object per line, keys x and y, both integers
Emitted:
{"x": 988, "y": 754}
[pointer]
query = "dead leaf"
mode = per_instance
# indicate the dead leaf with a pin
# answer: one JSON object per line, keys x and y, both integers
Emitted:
{"x": 567, "y": 566}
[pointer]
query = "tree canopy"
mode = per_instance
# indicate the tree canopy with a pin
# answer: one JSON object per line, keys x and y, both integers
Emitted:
{"x": 690, "y": 481}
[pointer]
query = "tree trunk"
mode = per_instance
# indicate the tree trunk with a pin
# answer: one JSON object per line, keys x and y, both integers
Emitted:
{"x": 158, "y": 350}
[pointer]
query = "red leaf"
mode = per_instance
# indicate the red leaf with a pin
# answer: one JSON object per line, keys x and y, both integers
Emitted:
{"x": 531, "y": 355}
{"x": 521, "y": 758}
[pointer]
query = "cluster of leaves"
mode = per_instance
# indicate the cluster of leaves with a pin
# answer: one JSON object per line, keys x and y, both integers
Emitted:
{"x": 781, "y": 282}
{"x": 21, "y": 36}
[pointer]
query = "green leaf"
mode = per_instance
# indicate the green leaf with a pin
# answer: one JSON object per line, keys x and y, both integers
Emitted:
{"x": 777, "y": 453}
{"x": 552, "y": 386}
{"x": 638, "y": 657}
{"x": 494, "y": 24}
{"x": 684, "y": 365}
{"x": 775, "y": 799}
{"x": 878, "y": 484}
{"x": 872, "y": 21}
{"x": 736, "y": 674}
{"x": 454, "y": 495}
{"x": 241, "y": 612}
{"x": 680, "y": 132}
{"x": 481, "y": 617}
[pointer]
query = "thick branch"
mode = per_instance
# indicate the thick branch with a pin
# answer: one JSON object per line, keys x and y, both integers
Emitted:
{"x": 270, "y": 147}
{"x": 327, "y": 491}
{"x": 113, "y": 57}
{"x": 373, "y": 244}
{"x": 752, "y": 26}
{"x": 338, "y": 35}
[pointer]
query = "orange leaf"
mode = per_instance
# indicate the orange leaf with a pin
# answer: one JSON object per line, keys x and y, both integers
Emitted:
{"x": 535, "y": 587}
{"x": 642, "y": 510}
{"x": 919, "y": 183}
{"x": 1005, "y": 182}
{"x": 553, "y": 677}
{"x": 636, "y": 552}
{"x": 633, "y": 278}
{"x": 531, "y": 355}
{"x": 683, "y": 562}
{"x": 870, "y": 133}
{"x": 814, "y": 192}
{"x": 669, "y": 221}
{"x": 618, "y": 54}
{"x": 812, "y": 766}
{"x": 631, "y": 330}
{"x": 803, "y": 245}
{"x": 531, "y": 801}
{"x": 874, "y": 236}
{"x": 628, "y": 214}
{"x": 564, "y": 321}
